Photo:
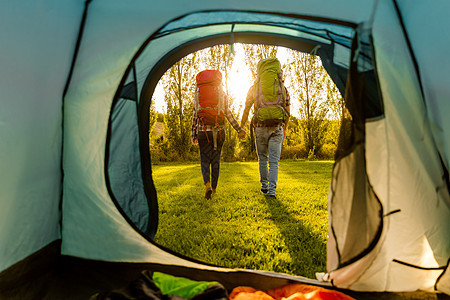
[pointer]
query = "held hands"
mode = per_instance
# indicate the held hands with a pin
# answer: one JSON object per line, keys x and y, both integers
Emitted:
{"x": 242, "y": 134}
{"x": 194, "y": 142}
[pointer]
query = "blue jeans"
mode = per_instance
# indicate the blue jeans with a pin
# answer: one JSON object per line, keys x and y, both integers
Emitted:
{"x": 268, "y": 148}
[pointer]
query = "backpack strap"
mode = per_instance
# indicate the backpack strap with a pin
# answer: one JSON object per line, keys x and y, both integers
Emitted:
{"x": 283, "y": 91}
{"x": 204, "y": 129}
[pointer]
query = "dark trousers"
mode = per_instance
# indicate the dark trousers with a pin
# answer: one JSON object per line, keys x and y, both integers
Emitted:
{"x": 210, "y": 158}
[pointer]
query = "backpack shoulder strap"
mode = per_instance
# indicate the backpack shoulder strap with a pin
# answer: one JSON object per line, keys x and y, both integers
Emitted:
{"x": 257, "y": 93}
{"x": 282, "y": 89}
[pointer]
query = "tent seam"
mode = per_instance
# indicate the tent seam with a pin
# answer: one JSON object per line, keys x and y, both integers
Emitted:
{"x": 418, "y": 267}
{"x": 66, "y": 87}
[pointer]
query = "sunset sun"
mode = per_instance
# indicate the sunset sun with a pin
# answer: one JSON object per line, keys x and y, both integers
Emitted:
{"x": 239, "y": 81}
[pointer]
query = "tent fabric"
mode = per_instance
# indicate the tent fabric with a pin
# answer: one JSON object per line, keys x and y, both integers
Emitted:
{"x": 407, "y": 137}
{"x": 33, "y": 75}
{"x": 53, "y": 151}
{"x": 124, "y": 165}
{"x": 423, "y": 29}
{"x": 124, "y": 174}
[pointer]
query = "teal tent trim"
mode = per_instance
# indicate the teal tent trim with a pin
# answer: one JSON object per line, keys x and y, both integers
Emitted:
{"x": 134, "y": 198}
{"x": 129, "y": 91}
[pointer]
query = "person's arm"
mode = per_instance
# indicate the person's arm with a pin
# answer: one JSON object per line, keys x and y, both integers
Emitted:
{"x": 248, "y": 105}
{"x": 232, "y": 120}
{"x": 288, "y": 109}
{"x": 234, "y": 123}
{"x": 245, "y": 116}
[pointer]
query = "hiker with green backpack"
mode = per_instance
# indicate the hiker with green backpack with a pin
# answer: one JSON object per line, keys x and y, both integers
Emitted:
{"x": 271, "y": 104}
{"x": 208, "y": 125}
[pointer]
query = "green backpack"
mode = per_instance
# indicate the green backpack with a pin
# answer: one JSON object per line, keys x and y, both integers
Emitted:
{"x": 270, "y": 94}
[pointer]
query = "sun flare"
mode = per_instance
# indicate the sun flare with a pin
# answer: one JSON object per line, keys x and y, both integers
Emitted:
{"x": 239, "y": 82}
{"x": 238, "y": 85}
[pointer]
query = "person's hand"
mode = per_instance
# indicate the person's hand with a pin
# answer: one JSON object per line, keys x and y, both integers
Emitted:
{"x": 242, "y": 134}
{"x": 194, "y": 142}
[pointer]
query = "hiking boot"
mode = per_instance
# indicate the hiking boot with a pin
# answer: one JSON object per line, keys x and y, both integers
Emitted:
{"x": 264, "y": 191}
{"x": 208, "y": 192}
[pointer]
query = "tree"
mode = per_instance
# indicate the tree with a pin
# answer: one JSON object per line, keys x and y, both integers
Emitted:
{"x": 160, "y": 117}
{"x": 306, "y": 84}
{"x": 254, "y": 53}
{"x": 337, "y": 108}
{"x": 335, "y": 100}
{"x": 152, "y": 121}
{"x": 153, "y": 116}
{"x": 179, "y": 88}
{"x": 218, "y": 58}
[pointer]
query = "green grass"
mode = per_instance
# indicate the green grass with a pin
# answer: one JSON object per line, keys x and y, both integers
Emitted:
{"x": 241, "y": 228}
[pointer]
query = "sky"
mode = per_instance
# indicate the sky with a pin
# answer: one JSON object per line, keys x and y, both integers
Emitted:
{"x": 239, "y": 81}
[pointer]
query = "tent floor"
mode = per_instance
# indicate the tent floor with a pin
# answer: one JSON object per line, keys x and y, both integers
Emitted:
{"x": 48, "y": 275}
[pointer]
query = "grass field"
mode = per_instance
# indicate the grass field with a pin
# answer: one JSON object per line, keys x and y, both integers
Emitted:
{"x": 240, "y": 227}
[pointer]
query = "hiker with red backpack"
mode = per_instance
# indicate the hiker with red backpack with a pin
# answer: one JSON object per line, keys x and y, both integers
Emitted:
{"x": 271, "y": 100}
{"x": 208, "y": 125}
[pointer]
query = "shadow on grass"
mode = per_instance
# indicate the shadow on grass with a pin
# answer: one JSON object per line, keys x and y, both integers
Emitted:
{"x": 173, "y": 175}
{"x": 306, "y": 248}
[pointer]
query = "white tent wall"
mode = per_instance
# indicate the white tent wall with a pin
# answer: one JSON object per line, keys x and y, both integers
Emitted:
{"x": 418, "y": 234}
{"x": 430, "y": 40}
{"x": 405, "y": 171}
{"x": 37, "y": 42}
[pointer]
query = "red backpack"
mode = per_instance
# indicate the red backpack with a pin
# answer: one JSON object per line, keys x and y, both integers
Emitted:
{"x": 210, "y": 97}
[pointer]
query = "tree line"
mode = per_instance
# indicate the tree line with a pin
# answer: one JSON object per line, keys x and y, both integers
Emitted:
{"x": 311, "y": 135}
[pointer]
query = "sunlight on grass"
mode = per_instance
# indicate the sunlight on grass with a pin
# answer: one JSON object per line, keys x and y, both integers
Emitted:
{"x": 241, "y": 228}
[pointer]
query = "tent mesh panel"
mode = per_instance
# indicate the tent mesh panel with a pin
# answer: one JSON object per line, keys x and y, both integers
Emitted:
{"x": 355, "y": 211}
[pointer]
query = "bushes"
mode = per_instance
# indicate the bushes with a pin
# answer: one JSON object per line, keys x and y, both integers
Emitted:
{"x": 240, "y": 150}
{"x": 327, "y": 151}
{"x": 161, "y": 152}
{"x": 297, "y": 151}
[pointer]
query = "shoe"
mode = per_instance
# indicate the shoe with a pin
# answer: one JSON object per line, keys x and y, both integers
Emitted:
{"x": 264, "y": 191}
{"x": 271, "y": 196}
{"x": 214, "y": 191}
{"x": 208, "y": 192}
